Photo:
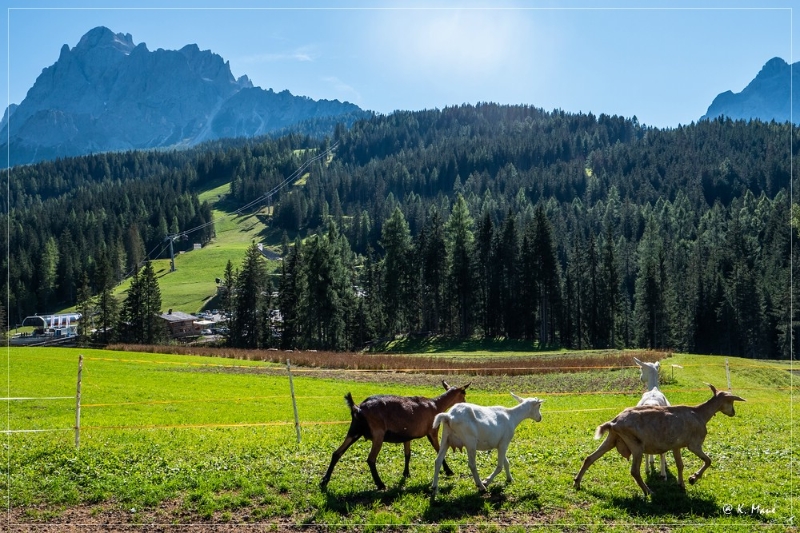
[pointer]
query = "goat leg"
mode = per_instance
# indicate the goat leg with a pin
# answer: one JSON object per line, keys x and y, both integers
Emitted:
{"x": 607, "y": 445}
{"x": 679, "y": 465}
{"x": 472, "y": 453}
{"x": 348, "y": 441}
{"x": 377, "y": 442}
{"x": 434, "y": 440}
{"x": 636, "y": 472}
{"x": 438, "y": 465}
{"x": 502, "y": 461}
{"x": 407, "y": 453}
{"x": 698, "y": 451}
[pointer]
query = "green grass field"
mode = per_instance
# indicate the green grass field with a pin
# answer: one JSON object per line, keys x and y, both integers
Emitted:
{"x": 187, "y": 439}
{"x": 192, "y": 287}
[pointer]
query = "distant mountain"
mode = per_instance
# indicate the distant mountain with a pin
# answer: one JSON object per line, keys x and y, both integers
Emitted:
{"x": 108, "y": 93}
{"x": 767, "y": 97}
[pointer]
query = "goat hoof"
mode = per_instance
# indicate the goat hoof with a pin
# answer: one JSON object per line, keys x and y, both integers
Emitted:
{"x": 692, "y": 480}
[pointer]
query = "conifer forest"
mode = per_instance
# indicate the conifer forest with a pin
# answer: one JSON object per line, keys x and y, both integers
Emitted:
{"x": 567, "y": 230}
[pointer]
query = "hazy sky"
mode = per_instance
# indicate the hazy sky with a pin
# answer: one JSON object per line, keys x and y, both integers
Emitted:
{"x": 664, "y": 65}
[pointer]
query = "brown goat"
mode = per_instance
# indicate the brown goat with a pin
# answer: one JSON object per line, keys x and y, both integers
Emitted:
{"x": 386, "y": 418}
{"x": 658, "y": 429}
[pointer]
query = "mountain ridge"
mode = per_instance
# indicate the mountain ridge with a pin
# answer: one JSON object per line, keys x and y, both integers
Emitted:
{"x": 767, "y": 97}
{"x": 108, "y": 93}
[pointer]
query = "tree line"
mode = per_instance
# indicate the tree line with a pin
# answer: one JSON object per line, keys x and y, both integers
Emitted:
{"x": 575, "y": 231}
{"x": 65, "y": 216}
{"x": 462, "y": 276}
{"x": 569, "y": 230}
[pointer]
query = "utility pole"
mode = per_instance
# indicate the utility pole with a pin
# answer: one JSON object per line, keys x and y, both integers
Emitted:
{"x": 171, "y": 238}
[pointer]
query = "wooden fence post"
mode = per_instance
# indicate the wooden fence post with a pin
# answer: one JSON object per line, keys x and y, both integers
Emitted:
{"x": 78, "y": 405}
{"x": 728, "y": 374}
{"x": 294, "y": 401}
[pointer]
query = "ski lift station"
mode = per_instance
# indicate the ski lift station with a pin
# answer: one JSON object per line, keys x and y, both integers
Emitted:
{"x": 48, "y": 328}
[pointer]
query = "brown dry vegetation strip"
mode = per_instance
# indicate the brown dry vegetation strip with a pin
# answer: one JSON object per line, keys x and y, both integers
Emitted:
{"x": 397, "y": 362}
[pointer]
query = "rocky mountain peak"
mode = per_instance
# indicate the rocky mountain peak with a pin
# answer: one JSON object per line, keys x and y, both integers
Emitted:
{"x": 767, "y": 97}
{"x": 108, "y": 93}
{"x": 102, "y": 37}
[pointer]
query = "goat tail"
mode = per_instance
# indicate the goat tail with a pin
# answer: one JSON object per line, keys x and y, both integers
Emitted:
{"x": 602, "y": 428}
{"x": 441, "y": 417}
{"x": 354, "y": 410}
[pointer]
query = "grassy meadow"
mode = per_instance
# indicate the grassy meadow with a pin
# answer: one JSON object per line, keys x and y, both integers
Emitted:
{"x": 207, "y": 440}
{"x": 192, "y": 287}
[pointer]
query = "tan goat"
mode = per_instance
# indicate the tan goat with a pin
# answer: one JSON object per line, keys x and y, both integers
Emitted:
{"x": 658, "y": 429}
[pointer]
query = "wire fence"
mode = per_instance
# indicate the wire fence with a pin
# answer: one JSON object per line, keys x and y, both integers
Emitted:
{"x": 294, "y": 397}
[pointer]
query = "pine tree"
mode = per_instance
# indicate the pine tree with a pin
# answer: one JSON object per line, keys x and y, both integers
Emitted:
{"x": 459, "y": 248}
{"x": 649, "y": 314}
{"x": 227, "y": 288}
{"x": 129, "y": 327}
{"x": 247, "y": 300}
{"x": 106, "y": 303}
{"x": 508, "y": 257}
{"x": 289, "y": 296}
{"x": 609, "y": 293}
{"x": 433, "y": 263}
{"x": 528, "y": 284}
{"x": 86, "y": 308}
{"x": 546, "y": 271}
{"x": 152, "y": 326}
{"x": 326, "y": 304}
{"x": 484, "y": 268}
{"x": 139, "y": 320}
{"x": 396, "y": 241}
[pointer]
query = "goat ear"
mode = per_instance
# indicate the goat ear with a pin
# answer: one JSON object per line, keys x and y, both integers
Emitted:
{"x": 737, "y": 399}
{"x": 445, "y": 385}
{"x": 519, "y": 400}
{"x": 637, "y": 361}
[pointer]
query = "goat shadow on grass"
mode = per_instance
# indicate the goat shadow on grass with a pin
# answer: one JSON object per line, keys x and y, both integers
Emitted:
{"x": 665, "y": 502}
{"x": 668, "y": 499}
{"x": 472, "y": 504}
{"x": 342, "y": 502}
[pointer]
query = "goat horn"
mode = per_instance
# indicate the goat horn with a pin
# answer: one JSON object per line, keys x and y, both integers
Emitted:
{"x": 519, "y": 400}
{"x": 637, "y": 361}
{"x": 713, "y": 389}
{"x": 446, "y": 386}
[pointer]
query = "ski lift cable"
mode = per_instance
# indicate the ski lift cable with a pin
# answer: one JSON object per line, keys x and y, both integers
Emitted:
{"x": 293, "y": 176}
{"x": 286, "y": 181}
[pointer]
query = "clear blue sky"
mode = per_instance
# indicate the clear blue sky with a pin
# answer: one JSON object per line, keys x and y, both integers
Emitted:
{"x": 664, "y": 65}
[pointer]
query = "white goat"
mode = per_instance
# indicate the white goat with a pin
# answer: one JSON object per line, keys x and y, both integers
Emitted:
{"x": 482, "y": 428}
{"x": 652, "y": 396}
{"x": 639, "y": 430}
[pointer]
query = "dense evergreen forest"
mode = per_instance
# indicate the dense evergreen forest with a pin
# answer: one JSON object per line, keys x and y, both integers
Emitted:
{"x": 568, "y": 230}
